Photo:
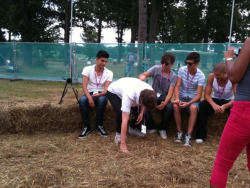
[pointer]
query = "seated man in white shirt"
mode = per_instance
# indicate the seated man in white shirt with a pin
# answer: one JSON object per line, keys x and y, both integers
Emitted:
{"x": 95, "y": 81}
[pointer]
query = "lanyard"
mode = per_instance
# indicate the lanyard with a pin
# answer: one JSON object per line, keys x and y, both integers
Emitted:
{"x": 166, "y": 78}
{"x": 189, "y": 82}
{"x": 220, "y": 93}
{"x": 97, "y": 84}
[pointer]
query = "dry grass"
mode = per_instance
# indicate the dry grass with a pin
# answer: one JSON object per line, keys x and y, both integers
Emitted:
{"x": 44, "y": 150}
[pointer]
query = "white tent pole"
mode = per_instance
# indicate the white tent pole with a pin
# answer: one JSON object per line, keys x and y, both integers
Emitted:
{"x": 231, "y": 24}
{"x": 71, "y": 16}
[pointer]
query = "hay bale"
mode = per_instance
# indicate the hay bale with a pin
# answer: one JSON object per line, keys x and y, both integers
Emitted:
{"x": 48, "y": 118}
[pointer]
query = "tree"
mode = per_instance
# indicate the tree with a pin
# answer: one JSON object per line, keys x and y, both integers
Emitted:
{"x": 90, "y": 36}
{"x": 142, "y": 31}
{"x": 156, "y": 7}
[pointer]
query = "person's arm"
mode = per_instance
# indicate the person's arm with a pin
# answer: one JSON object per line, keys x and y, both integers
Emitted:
{"x": 208, "y": 90}
{"x": 177, "y": 90}
{"x": 85, "y": 81}
{"x": 140, "y": 115}
{"x": 237, "y": 70}
{"x": 124, "y": 127}
{"x": 144, "y": 76}
{"x": 197, "y": 97}
{"x": 104, "y": 91}
{"x": 167, "y": 99}
{"x": 230, "y": 103}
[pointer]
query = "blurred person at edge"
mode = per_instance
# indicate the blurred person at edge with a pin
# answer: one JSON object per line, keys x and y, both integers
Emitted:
{"x": 126, "y": 95}
{"x": 236, "y": 134}
{"x": 164, "y": 81}
{"x": 95, "y": 81}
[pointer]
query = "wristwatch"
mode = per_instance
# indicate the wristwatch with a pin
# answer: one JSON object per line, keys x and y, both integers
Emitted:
{"x": 229, "y": 59}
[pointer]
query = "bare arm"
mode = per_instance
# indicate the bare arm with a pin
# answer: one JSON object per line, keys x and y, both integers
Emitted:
{"x": 104, "y": 91}
{"x": 198, "y": 96}
{"x": 124, "y": 127}
{"x": 237, "y": 70}
{"x": 177, "y": 90}
{"x": 167, "y": 99}
{"x": 208, "y": 89}
{"x": 144, "y": 76}
{"x": 85, "y": 81}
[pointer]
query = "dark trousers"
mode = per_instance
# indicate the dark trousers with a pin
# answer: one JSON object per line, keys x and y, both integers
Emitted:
{"x": 167, "y": 114}
{"x": 116, "y": 103}
{"x": 100, "y": 106}
{"x": 205, "y": 109}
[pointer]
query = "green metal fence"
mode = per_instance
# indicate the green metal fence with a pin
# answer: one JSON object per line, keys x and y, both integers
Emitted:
{"x": 51, "y": 61}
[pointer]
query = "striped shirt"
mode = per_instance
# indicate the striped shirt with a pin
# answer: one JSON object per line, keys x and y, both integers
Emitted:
{"x": 190, "y": 82}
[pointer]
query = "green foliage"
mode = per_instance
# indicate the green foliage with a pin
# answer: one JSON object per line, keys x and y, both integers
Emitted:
{"x": 169, "y": 21}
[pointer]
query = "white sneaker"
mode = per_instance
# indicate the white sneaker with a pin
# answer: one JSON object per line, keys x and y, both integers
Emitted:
{"x": 187, "y": 140}
{"x": 135, "y": 132}
{"x": 199, "y": 141}
{"x": 179, "y": 137}
{"x": 163, "y": 134}
{"x": 152, "y": 131}
{"x": 117, "y": 138}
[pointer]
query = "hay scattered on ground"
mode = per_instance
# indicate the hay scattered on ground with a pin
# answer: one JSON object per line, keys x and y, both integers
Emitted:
{"x": 63, "y": 160}
{"x": 40, "y": 148}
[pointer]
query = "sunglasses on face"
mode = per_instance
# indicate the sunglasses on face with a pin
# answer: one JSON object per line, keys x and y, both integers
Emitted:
{"x": 188, "y": 63}
{"x": 166, "y": 63}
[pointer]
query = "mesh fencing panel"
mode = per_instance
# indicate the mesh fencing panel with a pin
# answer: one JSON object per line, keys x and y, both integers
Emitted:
{"x": 57, "y": 62}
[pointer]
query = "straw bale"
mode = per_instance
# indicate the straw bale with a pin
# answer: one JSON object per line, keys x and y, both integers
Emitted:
{"x": 51, "y": 117}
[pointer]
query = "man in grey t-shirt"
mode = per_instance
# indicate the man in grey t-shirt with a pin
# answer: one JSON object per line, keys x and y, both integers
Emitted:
{"x": 164, "y": 80}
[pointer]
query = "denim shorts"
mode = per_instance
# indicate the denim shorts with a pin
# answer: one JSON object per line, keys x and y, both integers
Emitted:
{"x": 183, "y": 99}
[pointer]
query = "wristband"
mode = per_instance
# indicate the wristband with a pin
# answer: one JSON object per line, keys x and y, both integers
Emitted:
{"x": 229, "y": 59}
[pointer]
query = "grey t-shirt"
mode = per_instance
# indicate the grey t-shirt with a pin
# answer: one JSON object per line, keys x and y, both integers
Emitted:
{"x": 161, "y": 83}
{"x": 243, "y": 89}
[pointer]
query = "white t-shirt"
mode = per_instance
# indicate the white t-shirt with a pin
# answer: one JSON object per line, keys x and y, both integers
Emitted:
{"x": 96, "y": 83}
{"x": 128, "y": 90}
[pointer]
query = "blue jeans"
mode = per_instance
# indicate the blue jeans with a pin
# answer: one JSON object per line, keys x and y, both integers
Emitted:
{"x": 100, "y": 106}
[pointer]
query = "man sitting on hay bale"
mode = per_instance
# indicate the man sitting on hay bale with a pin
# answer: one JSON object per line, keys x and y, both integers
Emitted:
{"x": 218, "y": 103}
{"x": 95, "y": 81}
{"x": 164, "y": 80}
{"x": 188, "y": 93}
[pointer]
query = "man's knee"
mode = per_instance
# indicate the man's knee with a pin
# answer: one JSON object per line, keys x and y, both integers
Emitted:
{"x": 193, "y": 109}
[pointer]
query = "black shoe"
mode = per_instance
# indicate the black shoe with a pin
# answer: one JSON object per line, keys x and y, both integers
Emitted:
{"x": 85, "y": 132}
{"x": 101, "y": 130}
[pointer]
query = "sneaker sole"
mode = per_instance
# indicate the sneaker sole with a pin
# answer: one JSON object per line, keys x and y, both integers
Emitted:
{"x": 101, "y": 134}
{"x": 177, "y": 141}
{"x": 85, "y": 135}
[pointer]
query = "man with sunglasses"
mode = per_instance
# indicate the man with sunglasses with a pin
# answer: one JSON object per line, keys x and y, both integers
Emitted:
{"x": 188, "y": 92}
{"x": 164, "y": 80}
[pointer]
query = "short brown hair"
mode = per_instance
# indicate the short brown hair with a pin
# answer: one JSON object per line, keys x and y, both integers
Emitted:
{"x": 220, "y": 67}
{"x": 148, "y": 99}
{"x": 168, "y": 57}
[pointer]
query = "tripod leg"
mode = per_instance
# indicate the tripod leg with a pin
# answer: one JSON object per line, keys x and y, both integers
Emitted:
{"x": 63, "y": 93}
{"x": 76, "y": 93}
